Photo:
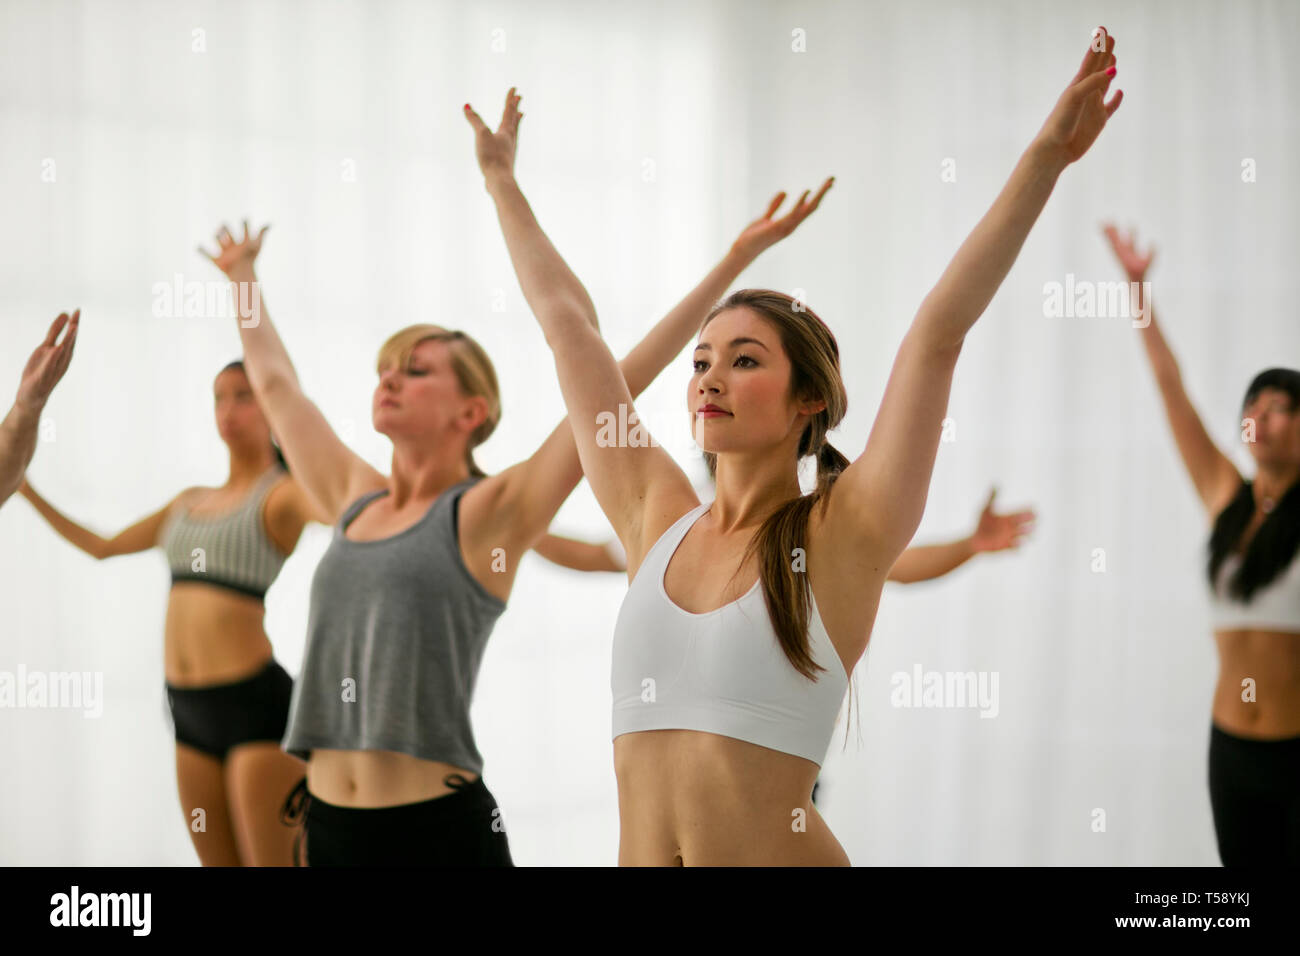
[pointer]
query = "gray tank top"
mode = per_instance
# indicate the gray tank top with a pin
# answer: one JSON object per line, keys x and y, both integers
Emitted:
{"x": 395, "y": 634}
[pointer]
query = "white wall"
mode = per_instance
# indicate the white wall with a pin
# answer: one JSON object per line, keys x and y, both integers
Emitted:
{"x": 1105, "y": 679}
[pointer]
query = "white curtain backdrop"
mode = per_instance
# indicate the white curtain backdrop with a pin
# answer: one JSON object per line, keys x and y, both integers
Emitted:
{"x": 654, "y": 132}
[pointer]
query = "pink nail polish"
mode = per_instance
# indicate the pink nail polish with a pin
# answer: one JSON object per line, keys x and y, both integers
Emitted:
{"x": 1111, "y": 71}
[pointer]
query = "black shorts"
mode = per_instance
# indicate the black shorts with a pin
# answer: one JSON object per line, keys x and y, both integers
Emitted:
{"x": 1255, "y": 796}
{"x": 219, "y": 716}
{"x": 462, "y": 828}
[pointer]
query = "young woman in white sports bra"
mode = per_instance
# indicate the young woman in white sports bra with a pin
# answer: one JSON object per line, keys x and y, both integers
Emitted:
{"x": 993, "y": 532}
{"x": 745, "y": 615}
{"x": 1253, "y": 580}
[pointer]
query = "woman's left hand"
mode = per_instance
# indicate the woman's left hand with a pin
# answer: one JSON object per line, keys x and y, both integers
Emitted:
{"x": 1126, "y": 251}
{"x": 1081, "y": 112}
{"x": 997, "y": 532}
{"x": 766, "y": 231}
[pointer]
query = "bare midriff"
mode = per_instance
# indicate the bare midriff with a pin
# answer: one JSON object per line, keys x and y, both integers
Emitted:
{"x": 1258, "y": 694}
{"x": 212, "y": 636}
{"x": 216, "y": 636}
{"x": 688, "y": 798}
{"x": 377, "y": 778}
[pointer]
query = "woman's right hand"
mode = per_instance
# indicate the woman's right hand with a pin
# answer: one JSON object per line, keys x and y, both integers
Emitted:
{"x": 1125, "y": 247}
{"x": 48, "y": 363}
{"x": 236, "y": 255}
{"x": 496, "y": 151}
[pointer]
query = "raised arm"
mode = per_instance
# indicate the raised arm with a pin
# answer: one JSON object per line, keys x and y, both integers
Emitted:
{"x": 577, "y": 555}
{"x": 994, "y": 532}
{"x": 591, "y": 381}
{"x": 141, "y": 536}
{"x": 1215, "y": 476}
{"x": 332, "y": 473}
{"x": 896, "y": 466}
{"x": 40, "y": 375}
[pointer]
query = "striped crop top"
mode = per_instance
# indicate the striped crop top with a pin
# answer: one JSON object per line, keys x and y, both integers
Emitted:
{"x": 230, "y": 550}
{"x": 395, "y": 634}
{"x": 1275, "y": 607}
{"x": 722, "y": 672}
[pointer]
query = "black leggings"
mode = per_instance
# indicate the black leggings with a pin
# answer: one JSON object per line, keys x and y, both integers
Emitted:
{"x": 462, "y": 828}
{"x": 1255, "y": 795}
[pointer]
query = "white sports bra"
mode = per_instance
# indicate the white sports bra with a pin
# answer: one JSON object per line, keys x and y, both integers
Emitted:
{"x": 721, "y": 672}
{"x": 1275, "y": 607}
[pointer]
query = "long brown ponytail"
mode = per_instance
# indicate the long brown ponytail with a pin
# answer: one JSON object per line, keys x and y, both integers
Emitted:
{"x": 783, "y": 537}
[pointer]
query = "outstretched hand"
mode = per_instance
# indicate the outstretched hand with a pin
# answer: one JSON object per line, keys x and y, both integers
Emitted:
{"x": 766, "y": 231}
{"x": 48, "y": 363}
{"x": 1135, "y": 264}
{"x": 1081, "y": 112}
{"x": 235, "y": 253}
{"x": 496, "y": 151}
{"x": 996, "y": 532}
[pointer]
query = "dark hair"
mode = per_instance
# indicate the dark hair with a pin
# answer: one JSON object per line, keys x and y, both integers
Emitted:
{"x": 275, "y": 448}
{"x": 1275, "y": 544}
{"x": 814, "y": 375}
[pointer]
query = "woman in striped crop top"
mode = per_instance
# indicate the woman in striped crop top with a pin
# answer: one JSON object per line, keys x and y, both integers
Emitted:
{"x": 745, "y": 615}
{"x": 228, "y": 697}
{"x": 1253, "y": 580}
{"x": 424, "y": 558}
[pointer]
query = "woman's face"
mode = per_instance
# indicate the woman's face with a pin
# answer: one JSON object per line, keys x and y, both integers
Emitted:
{"x": 1277, "y": 428}
{"x": 742, "y": 369}
{"x": 424, "y": 400}
{"x": 240, "y": 421}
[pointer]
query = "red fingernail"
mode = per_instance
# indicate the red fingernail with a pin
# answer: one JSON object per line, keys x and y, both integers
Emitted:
{"x": 1111, "y": 71}
{"x": 466, "y": 106}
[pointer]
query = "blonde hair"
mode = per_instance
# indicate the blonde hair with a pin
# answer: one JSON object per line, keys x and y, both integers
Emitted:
{"x": 473, "y": 368}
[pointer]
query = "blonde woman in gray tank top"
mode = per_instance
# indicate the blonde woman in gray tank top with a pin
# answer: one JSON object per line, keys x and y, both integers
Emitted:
{"x": 227, "y": 695}
{"x": 389, "y": 753}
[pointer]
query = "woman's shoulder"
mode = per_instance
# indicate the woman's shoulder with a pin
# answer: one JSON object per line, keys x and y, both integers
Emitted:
{"x": 290, "y": 498}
